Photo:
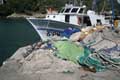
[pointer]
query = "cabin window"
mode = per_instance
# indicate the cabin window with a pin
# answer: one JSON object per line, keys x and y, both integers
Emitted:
{"x": 67, "y": 18}
{"x": 99, "y": 22}
{"x": 81, "y": 10}
{"x": 67, "y": 10}
{"x": 53, "y": 16}
{"x": 62, "y": 10}
{"x": 86, "y": 21}
{"x": 74, "y": 10}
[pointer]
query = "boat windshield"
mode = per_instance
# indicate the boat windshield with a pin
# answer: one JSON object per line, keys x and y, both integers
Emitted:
{"x": 86, "y": 21}
{"x": 81, "y": 10}
{"x": 74, "y": 10}
{"x": 62, "y": 10}
{"x": 67, "y": 10}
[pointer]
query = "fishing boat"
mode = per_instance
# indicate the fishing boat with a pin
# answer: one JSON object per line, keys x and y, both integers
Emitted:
{"x": 70, "y": 16}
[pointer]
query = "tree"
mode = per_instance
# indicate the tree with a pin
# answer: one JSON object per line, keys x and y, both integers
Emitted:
{"x": 5, "y": 11}
{"x": 23, "y": 6}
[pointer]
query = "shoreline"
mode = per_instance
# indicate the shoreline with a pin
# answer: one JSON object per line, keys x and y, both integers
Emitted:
{"x": 24, "y": 15}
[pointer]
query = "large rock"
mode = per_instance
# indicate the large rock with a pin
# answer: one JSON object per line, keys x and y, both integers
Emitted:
{"x": 105, "y": 44}
{"x": 77, "y": 36}
{"x": 41, "y": 64}
{"x": 43, "y": 61}
{"x": 104, "y": 39}
{"x": 21, "y": 53}
{"x": 93, "y": 38}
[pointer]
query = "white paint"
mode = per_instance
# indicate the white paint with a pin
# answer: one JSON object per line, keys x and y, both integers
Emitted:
{"x": 56, "y": 17}
{"x": 73, "y": 20}
{"x": 74, "y": 16}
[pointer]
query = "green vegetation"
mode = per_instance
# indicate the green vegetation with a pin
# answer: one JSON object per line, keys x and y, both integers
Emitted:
{"x": 27, "y": 6}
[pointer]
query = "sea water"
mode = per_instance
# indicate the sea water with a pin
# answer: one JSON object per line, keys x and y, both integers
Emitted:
{"x": 15, "y": 33}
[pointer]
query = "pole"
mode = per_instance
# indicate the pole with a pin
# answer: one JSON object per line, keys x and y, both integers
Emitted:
{"x": 113, "y": 12}
{"x": 1, "y": 2}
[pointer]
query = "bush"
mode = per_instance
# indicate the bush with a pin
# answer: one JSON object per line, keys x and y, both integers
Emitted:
{"x": 5, "y": 11}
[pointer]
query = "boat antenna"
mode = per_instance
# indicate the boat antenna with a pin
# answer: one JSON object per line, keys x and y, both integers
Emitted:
{"x": 113, "y": 12}
{"x": 76, "y": 2}
{"x": 103, "y": 8}
{"x": 118, "y": 1}
{"x": 81, "y": 2}
{"x": 94, "y": 5}
{"x": 1, "y": 2}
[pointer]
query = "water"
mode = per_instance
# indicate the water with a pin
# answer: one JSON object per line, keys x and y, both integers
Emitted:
{"x": 15, "y": 33}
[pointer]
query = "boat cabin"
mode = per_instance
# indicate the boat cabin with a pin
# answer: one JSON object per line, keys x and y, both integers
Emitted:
{"x": 77, "y": 15}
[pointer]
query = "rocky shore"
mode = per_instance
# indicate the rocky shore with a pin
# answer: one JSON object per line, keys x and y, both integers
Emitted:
{"x": 23, "y": 15}
{"x": 43, "y": 65}
{"x": 40, "y": 63}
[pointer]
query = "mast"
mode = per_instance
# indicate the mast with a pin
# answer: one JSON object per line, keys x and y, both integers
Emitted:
{"x": 118, "y": 1}
{"x": 113, "y": 13}
{"x": 81, "y": 2}
{"x": 112, "y": 6}
{"x": 76, "y": 2}
{"x": 1, "y": 2}
{"x": 95, "y": 5}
